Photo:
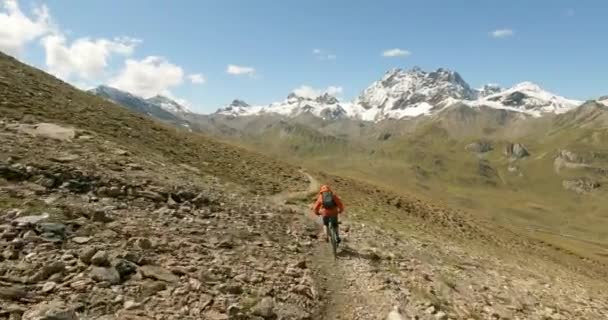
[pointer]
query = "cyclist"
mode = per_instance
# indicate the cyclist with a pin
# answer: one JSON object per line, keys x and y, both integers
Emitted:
{"x": 329, "y": 206}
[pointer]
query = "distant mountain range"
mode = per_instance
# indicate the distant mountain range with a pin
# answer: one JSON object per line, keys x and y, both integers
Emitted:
{"x": 412, "y": 93}
{"x": 398, "y": 94}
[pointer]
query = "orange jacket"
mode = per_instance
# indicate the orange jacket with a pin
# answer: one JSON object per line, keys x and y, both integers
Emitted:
{"x": 318, "y": 205}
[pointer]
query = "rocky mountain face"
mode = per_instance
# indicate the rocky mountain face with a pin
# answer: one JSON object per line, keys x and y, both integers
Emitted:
{"x": 488, "y": 90}
{"x": 158, "y": 107}
{"x": 168, "y": 104}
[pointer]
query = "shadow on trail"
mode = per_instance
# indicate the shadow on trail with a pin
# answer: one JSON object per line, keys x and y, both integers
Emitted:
{"x": 349, "y": 252}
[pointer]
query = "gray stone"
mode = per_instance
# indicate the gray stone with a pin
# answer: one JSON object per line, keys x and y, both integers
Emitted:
{"x": 264, "y": 308}
{"x": 124, "y": 267}
{"x": 100, "y": 259}
{"x": 81, "y": 240}
{"x": 103, "y": 274}
{"x": 54, "y": 310}
{"x": 31, "y": 220}
{"x": 87, "y": 254}
{"x": 58, "y": 229}
{"x": 158, "y": 273}
{"x": 12, "y": 292}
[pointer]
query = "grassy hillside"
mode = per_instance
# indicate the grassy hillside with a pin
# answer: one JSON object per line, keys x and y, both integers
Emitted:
{"x": 430, "y": 158}
{"x": 30, "y": 96}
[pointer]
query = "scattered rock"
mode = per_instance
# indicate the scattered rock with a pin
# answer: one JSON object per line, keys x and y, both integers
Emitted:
{"x": 49, "y": 286}
{"x": 86, "y": 254}
{"x": 395, "y": 314}
{"x": 264, "y": 308}
{"x": 291, "y": 311}
{"x": 150, "y": 288}
{"x": 100, "y": 216}
{"x": 482, "y": 146}
{"x": 143, "y": 243}
{"x": 56, "y": 229}
{"x": 100, "y": 259}
{"x": 124, "y": 267}
{"x": 158, "y": 273}
{"x": 48, "y": 270}
{"x": 65, "y": 158}
{"x": 49, "y": 130}
{"x": 12, "y": 292}
{"x": 81, "y": 240}
{"x": 103, "y": 274}
{"x": 54, "y": 310}
{"x": 582, "y": 185}
{"x": 31, "y": 220}
{"x": 231, "y": 288}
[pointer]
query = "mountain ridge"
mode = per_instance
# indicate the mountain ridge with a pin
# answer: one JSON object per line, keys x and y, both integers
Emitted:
{"x": 411, "y": 93}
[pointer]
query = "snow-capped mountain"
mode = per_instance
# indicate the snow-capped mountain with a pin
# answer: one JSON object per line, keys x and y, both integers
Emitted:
{"x": 324, "y": 106}
{"x": 603, "y": 100}
{"x": 156, "y": 107}
{"x": 488, "y": 90}
{"x": 168, "y": 104}
{"x": 412, "y": 93}
{"x": 528, "y": 98}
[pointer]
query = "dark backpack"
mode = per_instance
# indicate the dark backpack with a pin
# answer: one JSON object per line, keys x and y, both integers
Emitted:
{"x": 328, "y": 200}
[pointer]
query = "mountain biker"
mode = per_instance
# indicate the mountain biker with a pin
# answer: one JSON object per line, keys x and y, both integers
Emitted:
{"x": 329, "y": 206}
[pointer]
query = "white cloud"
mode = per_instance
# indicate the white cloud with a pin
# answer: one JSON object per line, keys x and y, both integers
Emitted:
{"x": 396, "y": 53}
{"x": 502, "y": 33}
{"x": 310, "y": 92}
{"x": 323, "y": 54}
{"x": 17, "y": 29}
{"x": 148, "y": 77}
{"x": 87, "y": 58}
{"x": 240, "y": 70}
{"x": 197, "y": 78}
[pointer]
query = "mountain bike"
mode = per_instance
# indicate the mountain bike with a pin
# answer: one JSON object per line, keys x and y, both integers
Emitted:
{"x": 333, "y": 237}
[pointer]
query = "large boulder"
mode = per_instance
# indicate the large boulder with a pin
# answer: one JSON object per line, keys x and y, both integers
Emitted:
{"x": 516, "y": 151}
{"x": 481, "y": 146}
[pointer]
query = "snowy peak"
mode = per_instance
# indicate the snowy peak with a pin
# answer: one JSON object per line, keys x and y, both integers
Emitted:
{"x": 528, "y": 97}
{"x": 168, "y": 104}
{"x": 488, "y": 90}
{"x": 413, "y": 93}
{"x": 239, "y": 108}
{"x": 399, "y": 89}
{"x": 324, "y": 106}
{"x": 327, "y": 98}
{"x": 603, "y": 100}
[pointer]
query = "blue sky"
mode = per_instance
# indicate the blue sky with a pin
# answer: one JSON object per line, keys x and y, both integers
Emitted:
{"x": 559, "y": 44}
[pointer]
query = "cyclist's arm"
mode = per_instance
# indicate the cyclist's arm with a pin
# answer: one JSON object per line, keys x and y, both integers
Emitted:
{"x": 340, "y": 204}
{"x": 316, "y": 206}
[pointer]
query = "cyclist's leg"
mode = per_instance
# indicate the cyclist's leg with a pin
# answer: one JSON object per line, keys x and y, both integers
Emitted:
{"x": 326, "y": 221}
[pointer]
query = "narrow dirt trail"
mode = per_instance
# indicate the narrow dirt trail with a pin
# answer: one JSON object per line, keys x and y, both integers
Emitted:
{"x": 435, "y": 278}
{"x": 346, "y": 284}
